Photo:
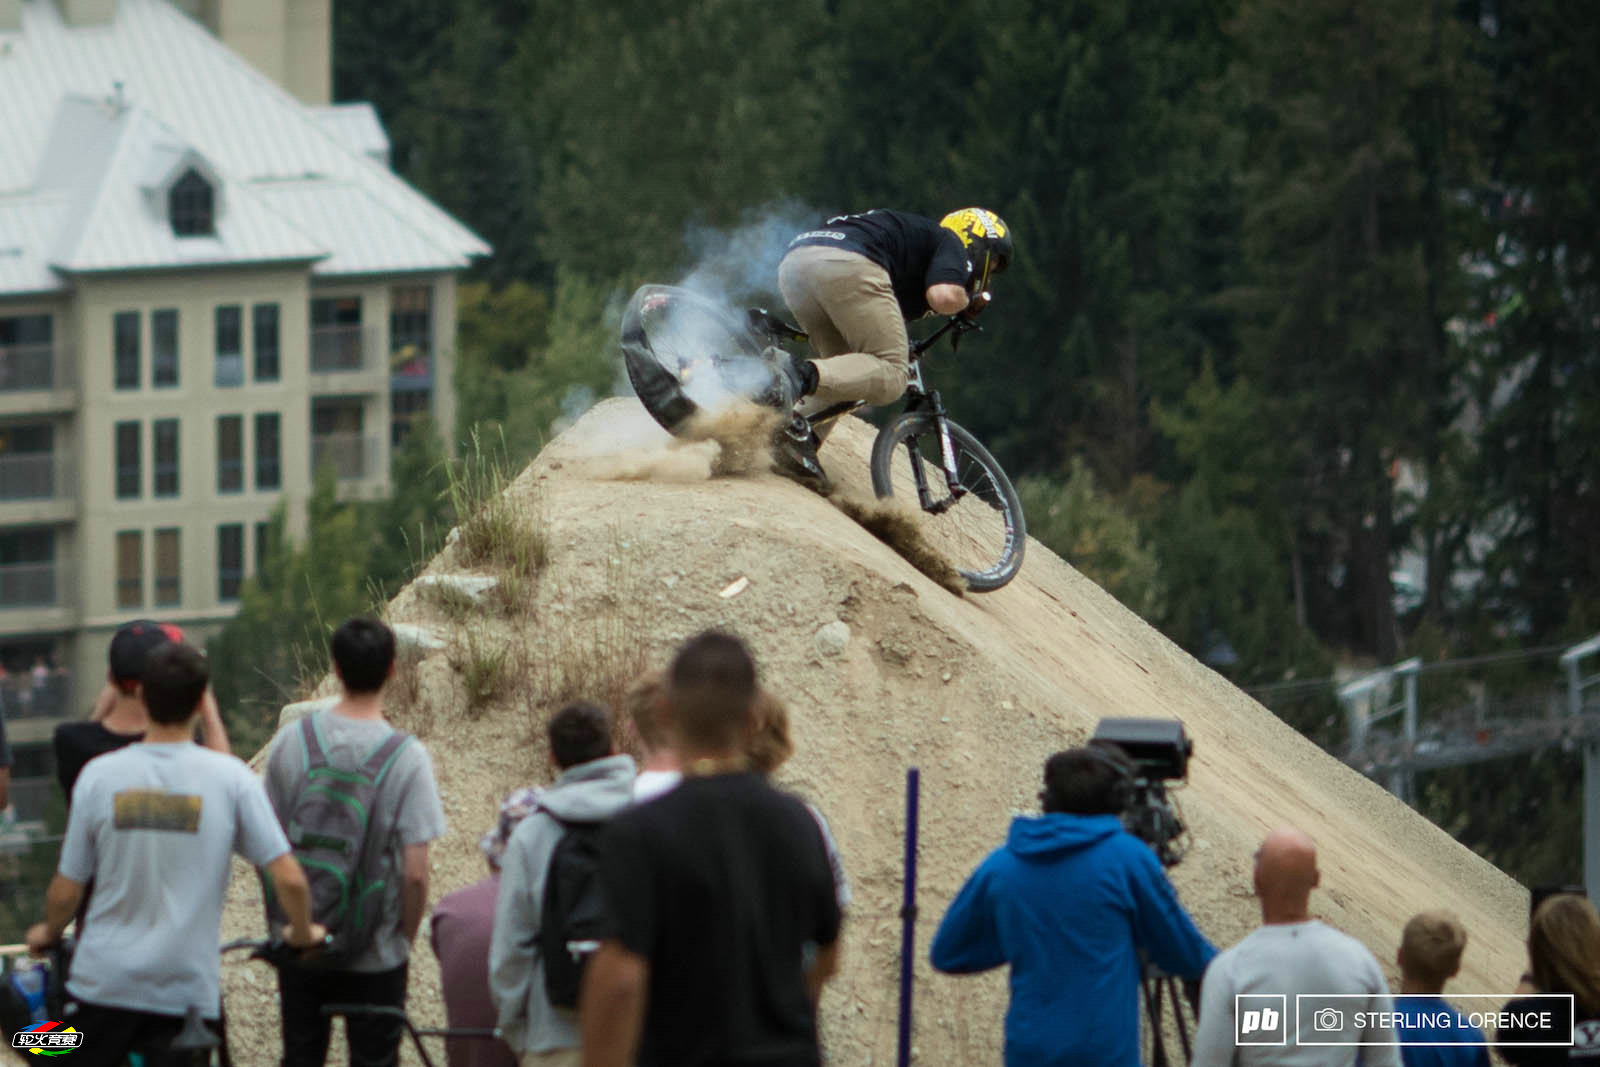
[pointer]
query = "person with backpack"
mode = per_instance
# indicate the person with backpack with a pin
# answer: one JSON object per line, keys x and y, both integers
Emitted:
{"x": 548, "y": 916}
{"x": 155, "y": 825}
{"x": 358, "y": 801}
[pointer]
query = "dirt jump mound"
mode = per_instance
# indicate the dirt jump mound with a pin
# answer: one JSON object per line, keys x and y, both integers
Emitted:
{"x": 883, "y": 668}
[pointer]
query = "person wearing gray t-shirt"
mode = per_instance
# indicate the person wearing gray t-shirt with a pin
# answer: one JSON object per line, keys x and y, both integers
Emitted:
{"x": 155, "y": 826}
{"x": 1296, "y": 992}
{"x": 406, "y": 814}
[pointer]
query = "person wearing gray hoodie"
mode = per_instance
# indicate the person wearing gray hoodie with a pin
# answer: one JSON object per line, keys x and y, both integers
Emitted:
{"x": 594, "y": 784}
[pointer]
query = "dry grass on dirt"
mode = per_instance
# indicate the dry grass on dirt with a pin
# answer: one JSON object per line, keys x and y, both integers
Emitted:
{"x": 976, "y": 691}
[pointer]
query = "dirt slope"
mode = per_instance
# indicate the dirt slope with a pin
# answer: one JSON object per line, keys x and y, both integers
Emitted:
{"x": 975, "y": 691}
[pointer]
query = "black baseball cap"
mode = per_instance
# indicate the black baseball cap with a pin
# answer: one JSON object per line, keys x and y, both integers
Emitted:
{"x": 131, "y": 645}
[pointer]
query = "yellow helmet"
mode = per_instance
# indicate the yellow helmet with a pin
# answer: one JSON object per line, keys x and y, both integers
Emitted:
{"x": 987, "y": 239}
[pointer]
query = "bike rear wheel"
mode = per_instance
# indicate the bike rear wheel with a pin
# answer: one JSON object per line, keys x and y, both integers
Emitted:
{"x": 686, "y": 353}
{"x": 981, "y": 532}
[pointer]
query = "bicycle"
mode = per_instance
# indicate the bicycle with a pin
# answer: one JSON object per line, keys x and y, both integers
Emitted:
{"x": 686, "y": 354}
{"x": 200, "y": 1044}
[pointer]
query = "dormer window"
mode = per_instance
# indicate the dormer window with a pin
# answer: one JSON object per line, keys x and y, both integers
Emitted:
{"x": 191, "y": 206}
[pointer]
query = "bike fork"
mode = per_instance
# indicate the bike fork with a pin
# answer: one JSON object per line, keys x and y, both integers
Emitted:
{"x": 947, "y": 456}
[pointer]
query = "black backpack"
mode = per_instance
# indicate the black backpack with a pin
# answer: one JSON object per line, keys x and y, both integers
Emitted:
{"x": 573, "y": 916}
{"x": 329, "y": 828}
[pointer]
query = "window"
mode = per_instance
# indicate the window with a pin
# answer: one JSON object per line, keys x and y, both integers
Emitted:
{"x": 191, "y": 206}
{"x": 164, "y": 348}
{"x": 230, "y": 346}
{"x": 268, "y": 469}
{"x": 336, "y": 334}
{"x": 27, "y": 567}
{"x": 130, "y": 569}
{"x": 230, "y": 453}
{"x": 264, "y": 324}
{"x": 230, "y": 561}
{"x": 411, "y": 332}
{"x": 336, "y": 438}
{"x": 169, "y": 564}
{"x": 165, "y": 432}
{"x": 263, "y": 547}
{"x": 125, "y": 343}
{"x": 130, "y": 478}
{"x": 27, "y": 461}
{"x": 404, "y": 410}
{"x": 26, "y": 352}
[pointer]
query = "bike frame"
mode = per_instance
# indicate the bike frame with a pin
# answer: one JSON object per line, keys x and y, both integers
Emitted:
{"x": 918, "y": 398}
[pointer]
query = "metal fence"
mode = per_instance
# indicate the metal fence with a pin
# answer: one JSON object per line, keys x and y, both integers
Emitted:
{"x": 352, "y": 455}
{"x": 341, "y": 349}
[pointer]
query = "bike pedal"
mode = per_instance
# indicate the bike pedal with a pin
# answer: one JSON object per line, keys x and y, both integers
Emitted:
{"x": 794, "y": 464}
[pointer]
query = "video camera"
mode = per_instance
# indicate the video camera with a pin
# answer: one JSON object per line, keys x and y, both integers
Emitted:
{"x": 1160, "y": 751}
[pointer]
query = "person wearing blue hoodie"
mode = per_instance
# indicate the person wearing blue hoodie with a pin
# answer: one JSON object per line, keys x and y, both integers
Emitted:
{"x": 1070, "y": 902}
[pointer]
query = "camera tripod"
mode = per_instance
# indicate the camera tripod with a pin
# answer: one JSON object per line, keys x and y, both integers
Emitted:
{"x": 1157, "y": 987}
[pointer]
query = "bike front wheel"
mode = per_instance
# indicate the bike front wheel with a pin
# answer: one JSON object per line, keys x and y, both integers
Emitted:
{"x": 977, "y": 522}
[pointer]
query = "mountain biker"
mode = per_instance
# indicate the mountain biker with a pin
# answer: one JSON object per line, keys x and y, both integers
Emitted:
{"x": 852, "y": 285}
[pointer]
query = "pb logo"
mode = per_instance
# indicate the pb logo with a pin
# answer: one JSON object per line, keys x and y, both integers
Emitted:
{"x": 1254, "y": 1021}
{"x": 1258, "y": 1019}
{"x": 48, "y": 1039}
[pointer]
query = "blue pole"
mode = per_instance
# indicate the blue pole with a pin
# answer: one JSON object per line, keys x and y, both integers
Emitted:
{"x": 908, "y": 919}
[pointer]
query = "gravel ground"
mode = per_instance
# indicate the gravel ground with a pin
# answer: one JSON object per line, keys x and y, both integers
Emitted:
{"x": 976, "y": 691}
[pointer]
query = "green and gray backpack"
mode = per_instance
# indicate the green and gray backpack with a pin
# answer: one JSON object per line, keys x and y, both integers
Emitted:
{"x": 330, "y": 828}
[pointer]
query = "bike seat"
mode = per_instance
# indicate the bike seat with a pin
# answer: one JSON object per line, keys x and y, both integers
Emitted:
{"x": 764, "y": 321}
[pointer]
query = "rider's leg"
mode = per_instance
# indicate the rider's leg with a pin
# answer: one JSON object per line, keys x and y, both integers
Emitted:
{"x": 301, "y": 994}
{"x": 374, "y": 1040}
{"x": 846, "y": 303}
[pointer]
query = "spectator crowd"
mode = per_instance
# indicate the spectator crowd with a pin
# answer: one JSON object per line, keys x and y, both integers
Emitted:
{"x": 682, "y": 910}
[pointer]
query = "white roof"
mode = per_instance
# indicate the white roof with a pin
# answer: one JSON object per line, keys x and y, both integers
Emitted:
{"x": 358, "y": 126}
{"x": 97, "y": 118}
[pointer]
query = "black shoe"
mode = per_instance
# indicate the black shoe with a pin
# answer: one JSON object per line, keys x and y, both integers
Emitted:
{"x": 794, "y": 455}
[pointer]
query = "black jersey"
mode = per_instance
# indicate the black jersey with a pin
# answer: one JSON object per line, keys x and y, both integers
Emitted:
{"x": 915, "y": 250}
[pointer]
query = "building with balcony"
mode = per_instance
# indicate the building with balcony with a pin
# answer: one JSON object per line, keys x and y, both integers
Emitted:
{"x": 209, "y": 285}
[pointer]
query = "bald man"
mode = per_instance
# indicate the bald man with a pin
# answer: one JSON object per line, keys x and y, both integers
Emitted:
{"x": 1249, "y": 1011}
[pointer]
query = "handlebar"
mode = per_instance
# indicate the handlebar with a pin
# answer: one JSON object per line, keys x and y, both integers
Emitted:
{"x": 273, "y": 950}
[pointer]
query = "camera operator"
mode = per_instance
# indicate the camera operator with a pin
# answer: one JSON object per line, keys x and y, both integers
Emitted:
{"x": 1070, "y": 902}
{"x": 1293, "y": 954}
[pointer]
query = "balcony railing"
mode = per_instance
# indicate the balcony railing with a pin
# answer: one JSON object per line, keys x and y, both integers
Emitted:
{"x": 28, "y": 585}
{"x": 351, "y": 454}
{"x": 341, "y": 349}
{"x": 34, "y": 476}
{"x": 24, "y": 696}
{"x": 30, "y": 368}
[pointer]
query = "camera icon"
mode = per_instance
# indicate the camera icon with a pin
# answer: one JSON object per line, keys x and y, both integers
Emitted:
{"x": 1327, "y": 1019}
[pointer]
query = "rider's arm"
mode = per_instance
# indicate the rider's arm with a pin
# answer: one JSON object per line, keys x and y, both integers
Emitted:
{"x": 414, "y": 890}
{"x": 60, "y": 904}
{"x": 611, "y": 1007}
{"x": 948, "y": 299}
{"x": 212, "y": 733}
{"x": 294, "y": 894}
{"x": 824, "y": 967}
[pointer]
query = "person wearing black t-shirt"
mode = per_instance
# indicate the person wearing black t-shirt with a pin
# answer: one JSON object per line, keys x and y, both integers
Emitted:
{"x": 714, "y": 890}
{"x": 854, "y": 284}
{"x": 119, "y": 717}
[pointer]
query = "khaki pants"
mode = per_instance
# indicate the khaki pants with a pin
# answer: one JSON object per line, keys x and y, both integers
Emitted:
{"x": 846, "y": 303}
{"x": 561, "y": 1057}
